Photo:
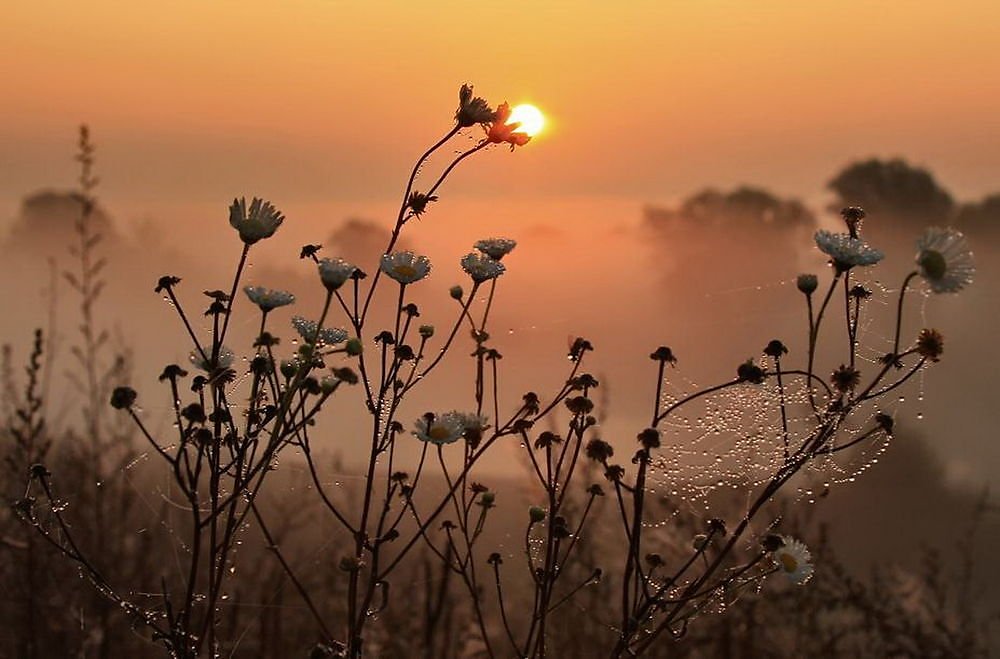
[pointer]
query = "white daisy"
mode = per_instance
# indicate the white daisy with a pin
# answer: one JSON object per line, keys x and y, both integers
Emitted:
{"x": 334, "y": 272}
{"x": 328, "y": 336}
{"x": 846, "y": 252}
{"x": 439, "y": 428}
{"x": 225, "y": 359}
{"x": 268, "y": 299}
{"x": 496, "y": 248}
{"x": 945, "y": 260}
{"x": 260, "y": 221}
{"x": 472, "y": 421}
{"x": 482, "y": 267}
{"x": 405, "y": 267}
{"x": 793, "y": 560}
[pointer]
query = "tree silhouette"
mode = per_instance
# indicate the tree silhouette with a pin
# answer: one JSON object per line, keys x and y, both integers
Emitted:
{"x": 893, "y": 189}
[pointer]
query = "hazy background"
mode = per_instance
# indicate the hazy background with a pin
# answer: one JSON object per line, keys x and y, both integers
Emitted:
{"x": 323, "y": 106}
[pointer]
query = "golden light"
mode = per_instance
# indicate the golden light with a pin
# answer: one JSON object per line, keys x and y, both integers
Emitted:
{"x": 531, "y": 119}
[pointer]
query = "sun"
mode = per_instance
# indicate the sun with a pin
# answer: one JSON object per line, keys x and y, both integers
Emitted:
{"x": 531, "y": 119}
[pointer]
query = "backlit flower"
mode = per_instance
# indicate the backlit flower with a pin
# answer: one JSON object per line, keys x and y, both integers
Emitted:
{"x": 496, "y": 248}
{"x": 482, "y": 267}
{"x": 499, "y": 131}
{"x": 268, "y": 299}
{"x": 945, "y": 260}
{"x": 334, "y": 272}
{"x": 439, "y": 428}
{"x": 328, "y": 336}
{"x": 930, "y": 344}
{"x": 845, "y": 251}
{"x": 260, "y": 221}
{"x": 793, "y": 560}
{"x": 405, "y": 267}
{"x": 472, "y": 110}
{"x": 225, "y": 359}
{"x": 845, "y": 378}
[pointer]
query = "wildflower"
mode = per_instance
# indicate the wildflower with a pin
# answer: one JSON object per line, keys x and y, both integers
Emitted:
{"x": 750, "y": 372}
{"x": 500, "y": 131}
{"x": 846, "y": 251}
{"x": 289, "y": 367}
{"x": 172, "y": 372}
{"x": 260, "y": 221}
{"x": 885, "y": 422}
{"x": 853, "y": 215}
{"x": 309, "y": 251}
{"x": 807, "y": 283}
{"x": 472, "y": 110}
{"x": 473, "y": 426}
{"x": 945, "y": 260}
{"x": 845, "y": 378}
{"x": 579, "y": 405}
{"x": 649, "y": 438}
{"x": 345, "y": 374}
{"x": 496, "y": 248}
{"x": 536, "y": 514}
{"x": 327, "y": 336}
{"x": 268, "y": 299}
{"x": 930, "y": 344}
{"x": 793, "y": 560}
{"x": 334, "y": 272}
{"x": 194, "y": 413}
{"x": 480, "y": 267}
{"x": 439, "y": 429}
{"x": 123, "y": 398}
{"x": 578, "y": 347}
{"x": 776, "y": 349}
{"x": 455, "y": 292}
{"x": 417, "y": 202}
{"x": 487, "y": 500}
{"x": 426, "y": 331}
{"x": 405, "y": 267}
{"x": 166, "y": 282}
{"x": 354, "y": 347}
{"x": 599, "y": 450}
{"x": 665, "y": 355}
{"x": 224, "y": 360}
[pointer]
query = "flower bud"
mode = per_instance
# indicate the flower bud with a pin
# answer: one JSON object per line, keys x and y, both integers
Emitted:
{"x": 536, "y": 514}
{"x": 807, "y": 283}
{"x": 353, "y": 347}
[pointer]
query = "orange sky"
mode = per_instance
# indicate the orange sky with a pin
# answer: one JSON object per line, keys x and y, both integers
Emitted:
{"x": 312, "y": 101}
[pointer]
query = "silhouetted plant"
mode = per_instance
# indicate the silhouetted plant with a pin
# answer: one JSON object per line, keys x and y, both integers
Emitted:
{"x": 779, "y": 425}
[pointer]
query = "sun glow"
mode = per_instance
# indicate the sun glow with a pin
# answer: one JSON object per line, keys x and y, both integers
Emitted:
{"x": 531, "y": 119}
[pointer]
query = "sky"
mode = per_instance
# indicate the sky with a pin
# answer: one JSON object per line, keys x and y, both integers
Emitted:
{"x": 322, "y": 106}
{"x": 314, "y": 101}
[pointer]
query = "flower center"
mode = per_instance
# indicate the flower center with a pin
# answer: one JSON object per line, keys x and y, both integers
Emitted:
{"x": 438, "y": 433}
{"x": 788, "y": 562}
{"x": 404, "y": 270}
{"x": 933, "y": 264}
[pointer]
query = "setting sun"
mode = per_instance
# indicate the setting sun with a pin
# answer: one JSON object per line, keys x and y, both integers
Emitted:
{"x": 531, "y": 119}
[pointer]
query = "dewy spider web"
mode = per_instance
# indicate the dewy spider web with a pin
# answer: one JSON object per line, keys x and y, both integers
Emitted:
{"x": 734, "y": 439}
